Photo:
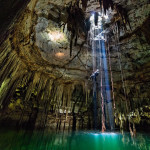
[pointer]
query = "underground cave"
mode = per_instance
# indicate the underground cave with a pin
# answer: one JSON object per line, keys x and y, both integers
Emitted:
{"x": 74, "y": 74}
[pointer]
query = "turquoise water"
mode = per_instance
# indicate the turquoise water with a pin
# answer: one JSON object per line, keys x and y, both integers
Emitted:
{"x": 39, "y": 140}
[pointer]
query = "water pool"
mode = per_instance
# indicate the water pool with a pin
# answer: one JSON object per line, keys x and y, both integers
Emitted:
{"x": 81, "y": 140}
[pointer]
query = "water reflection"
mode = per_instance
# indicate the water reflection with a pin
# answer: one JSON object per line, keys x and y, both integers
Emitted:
{"x": 46, "y": 140}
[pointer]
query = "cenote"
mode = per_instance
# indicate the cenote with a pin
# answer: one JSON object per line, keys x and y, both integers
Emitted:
{"x": 74, "y": 75}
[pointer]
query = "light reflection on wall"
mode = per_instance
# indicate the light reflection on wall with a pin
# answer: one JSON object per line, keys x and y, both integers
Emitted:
{"x": 56, "y": 36}
{"x": 60, "y": 55}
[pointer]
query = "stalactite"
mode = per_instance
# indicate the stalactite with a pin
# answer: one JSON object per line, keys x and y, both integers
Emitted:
{"x": 53, "y": 93}
{"x": 46, "y": 103}
{"x": 64, "y": 98}
{"x": 8, "y": 67}
{"x": 59, "y": 96}
{"x": 72, "y": 86}
{"x": 84, "y": 4}
{"x": 96, "y": 18}
{"x": 4, "y": 54}
{"x": 11, "y": 87}
{"x": 106, "y": 4}
{"x": 30, "y": 87}
{"x": 45, "y": 99}
{"x": 11, "y": 73}
{"x": 123, "y": 13}
{"x": 48, "y": 91}
{"x": 75, "y": 22}
{"x": 41, "y": 83}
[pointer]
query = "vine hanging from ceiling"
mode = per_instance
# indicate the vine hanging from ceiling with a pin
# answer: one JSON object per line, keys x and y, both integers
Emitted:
{"x": 76, "y": 23}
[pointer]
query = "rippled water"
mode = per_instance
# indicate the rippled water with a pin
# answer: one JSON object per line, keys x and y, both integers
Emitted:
{"x": 39, "y": 140}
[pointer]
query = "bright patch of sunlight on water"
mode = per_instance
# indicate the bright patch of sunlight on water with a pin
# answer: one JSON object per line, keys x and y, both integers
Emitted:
{"x": 44, "y": 140}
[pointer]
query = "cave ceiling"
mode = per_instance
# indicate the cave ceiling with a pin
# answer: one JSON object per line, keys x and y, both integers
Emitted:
{"x": 43, "y": 46}
{"x": 42, "y": 40}
{"x": 46, "y": 42}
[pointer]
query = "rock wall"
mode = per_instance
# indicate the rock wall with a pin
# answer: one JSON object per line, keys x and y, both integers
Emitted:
{"x": 130, "y": 63}
{"x": 39, "y": 88}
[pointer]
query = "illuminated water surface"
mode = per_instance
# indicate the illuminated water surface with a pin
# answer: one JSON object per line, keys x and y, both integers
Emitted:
{"x": 44, "y": 140}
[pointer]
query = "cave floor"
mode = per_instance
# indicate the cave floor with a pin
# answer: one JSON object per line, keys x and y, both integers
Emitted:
{"x": 80, "y": 140}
